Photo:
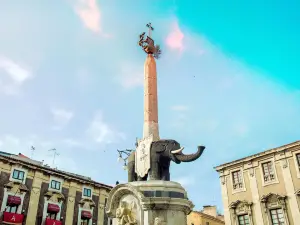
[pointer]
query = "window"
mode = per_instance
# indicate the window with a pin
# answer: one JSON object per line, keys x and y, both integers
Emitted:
{"x": 268, "y": 171}
{"x": 18, "y": 175}
{"x": 11, "y": 209}
{"x": 277, "y": 217}
{"x": 84, "y": 221}
{"x": 55, "y": 185}
{"x": 51, "y": 215}
{"x": 87, "y": 192}
{"x": 298, "y": 159}
{"x": 237, "y": 179}
{"x": 243, "y": 219}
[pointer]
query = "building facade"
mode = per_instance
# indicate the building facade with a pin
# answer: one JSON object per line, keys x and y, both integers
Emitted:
{"x": 207, "y": 216}
{"x": 262, "y": 189}
{"x": 35, "y": 194}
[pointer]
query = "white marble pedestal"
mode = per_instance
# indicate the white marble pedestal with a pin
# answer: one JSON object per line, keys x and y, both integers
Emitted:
{"x": 148, "y": 203}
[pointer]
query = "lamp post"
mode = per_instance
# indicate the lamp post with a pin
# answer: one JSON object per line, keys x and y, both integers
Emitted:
{"x": 123, "y": 155}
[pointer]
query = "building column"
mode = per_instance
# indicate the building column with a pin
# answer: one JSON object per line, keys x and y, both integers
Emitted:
{"x": 290, "y": 189}
{"x": 101, "y": 208}
{"x": 34, "y": 198}
{"x": 70, "y": 204}
{"x": 255, "y": 198}
{"x": 227, "y": 216}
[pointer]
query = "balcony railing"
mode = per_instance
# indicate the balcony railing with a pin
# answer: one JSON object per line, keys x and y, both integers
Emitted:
{"x": 13, "y": 218}
{"x": 52, "y": 222}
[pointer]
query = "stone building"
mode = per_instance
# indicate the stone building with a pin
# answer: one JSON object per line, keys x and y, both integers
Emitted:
{"x": 35, "y": 194}
{"x": 207, "y": 216}
{"x": 262, "y": 189}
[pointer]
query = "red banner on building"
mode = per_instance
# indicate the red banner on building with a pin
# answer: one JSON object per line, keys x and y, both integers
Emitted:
{"x": 52, "y": 222}
{"x": 13, "y": 218}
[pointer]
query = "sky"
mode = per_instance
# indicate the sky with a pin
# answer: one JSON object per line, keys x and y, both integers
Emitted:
{"x": 71, "y": 78}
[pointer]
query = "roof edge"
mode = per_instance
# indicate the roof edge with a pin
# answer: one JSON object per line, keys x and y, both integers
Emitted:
{"x": 60, "y": 172}
{"x": 270, "y": 151}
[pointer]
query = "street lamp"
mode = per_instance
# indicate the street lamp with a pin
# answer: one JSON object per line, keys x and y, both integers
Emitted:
{"x": 123, "y": 155}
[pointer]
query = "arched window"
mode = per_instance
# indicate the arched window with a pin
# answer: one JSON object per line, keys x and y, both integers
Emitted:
{"x": 275, "y": 208}
{"x": 241, "y": 212}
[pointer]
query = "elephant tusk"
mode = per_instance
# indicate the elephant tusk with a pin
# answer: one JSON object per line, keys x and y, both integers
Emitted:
{"x": 177, "y": 151}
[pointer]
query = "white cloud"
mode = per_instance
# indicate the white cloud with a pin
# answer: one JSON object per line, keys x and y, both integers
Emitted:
{"x": 12, "y": 76}
{"x": 89, "y": 13}
{"x": 101, "y": 132}
{"x": 72, "y": 143}
{"x": 175, "y": 39}
{"x": 131, "y": 75}
{"x": 185, "y": 181}
{"x": 61, "y": 117}
{"x": 180, "y": 108}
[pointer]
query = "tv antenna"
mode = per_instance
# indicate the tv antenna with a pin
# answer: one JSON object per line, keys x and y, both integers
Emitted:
{"x": 55, "y": 153}
{"x": 32, "y": 150}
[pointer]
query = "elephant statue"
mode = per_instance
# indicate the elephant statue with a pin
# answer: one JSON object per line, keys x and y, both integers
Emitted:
{"x": 162, "y": 152}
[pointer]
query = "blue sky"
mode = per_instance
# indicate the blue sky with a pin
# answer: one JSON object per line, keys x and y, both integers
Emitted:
{"x": 71, "y": 78}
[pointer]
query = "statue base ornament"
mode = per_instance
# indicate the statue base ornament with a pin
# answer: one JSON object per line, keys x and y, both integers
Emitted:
{"x": 154, "y": 202}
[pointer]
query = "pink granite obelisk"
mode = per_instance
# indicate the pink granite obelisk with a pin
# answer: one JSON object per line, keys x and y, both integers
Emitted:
{"x": 150, "y": 99}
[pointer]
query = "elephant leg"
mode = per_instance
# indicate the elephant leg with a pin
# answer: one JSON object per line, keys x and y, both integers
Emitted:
{"x": 165, "y": 174}
{"x": 142, "y": 178}
{"x": 155, "y": 171}
{"x": 131, "y": 172}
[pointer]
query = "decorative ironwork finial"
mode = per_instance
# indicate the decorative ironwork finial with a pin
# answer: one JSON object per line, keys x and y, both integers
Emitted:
{"x": 148, "y": 43}
{"x": 149, "y": 25}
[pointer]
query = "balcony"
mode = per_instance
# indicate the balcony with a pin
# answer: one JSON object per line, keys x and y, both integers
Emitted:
{"x": 52, "y": 222}
{"x": 12, "y": 218}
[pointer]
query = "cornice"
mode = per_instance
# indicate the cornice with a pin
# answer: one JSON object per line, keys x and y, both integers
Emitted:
{"x": 51, "y": 171}
{"x": 258, "y": 155}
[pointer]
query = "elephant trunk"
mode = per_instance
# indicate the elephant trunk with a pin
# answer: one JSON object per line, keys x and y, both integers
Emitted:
{"x": 191, "y": 157}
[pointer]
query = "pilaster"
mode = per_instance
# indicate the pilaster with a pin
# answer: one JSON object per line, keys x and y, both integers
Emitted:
{"x": 34, "y": 198}
{"x": 290, "y": 189}
{"x": 227, "y": 216}
{"x": 258, "y": 219}
{"x": 71, "y": 202}
{"x": 101, "y": 208}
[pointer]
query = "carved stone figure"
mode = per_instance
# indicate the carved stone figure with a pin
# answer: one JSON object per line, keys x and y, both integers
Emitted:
{"x": 162, "y": 152}
{"x": 159, "y": 221}
{"x": 124, "y": 214}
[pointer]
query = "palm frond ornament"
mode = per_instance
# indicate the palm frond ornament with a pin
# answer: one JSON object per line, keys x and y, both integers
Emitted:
{"x": 148, "y": 43}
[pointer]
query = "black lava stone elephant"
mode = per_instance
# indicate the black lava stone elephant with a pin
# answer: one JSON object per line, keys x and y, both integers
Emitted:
{"x": 162, "y": 152}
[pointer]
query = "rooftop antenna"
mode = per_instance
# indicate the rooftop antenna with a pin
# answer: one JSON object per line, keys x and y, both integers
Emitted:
{"x": 55, "y": 153}
{"x": 32, "y": 150}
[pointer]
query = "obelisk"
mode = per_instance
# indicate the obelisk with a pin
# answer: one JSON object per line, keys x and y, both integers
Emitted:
{"x": 150, "y": 86}
{"x": 150, "y": 99}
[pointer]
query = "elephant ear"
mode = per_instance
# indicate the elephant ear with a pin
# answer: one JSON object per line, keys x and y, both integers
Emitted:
{"x": 158, "y": 146}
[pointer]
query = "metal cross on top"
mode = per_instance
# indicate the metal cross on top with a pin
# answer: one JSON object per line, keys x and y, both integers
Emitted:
{"x": 149, "y": 25}
{"x": 148, "y": 43}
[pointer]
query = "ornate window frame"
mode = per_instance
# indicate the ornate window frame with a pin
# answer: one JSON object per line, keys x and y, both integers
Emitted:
{"x": 266, "y": 183}
{"x": 20, "y": 169}
{"x": 238, "y": 190}
{"x": 87, "y": 187}
{"x": 239, "y": 208}
{"x": 274, "y": 201}
{"x": 56, "y": 179}
{"x": 296, "y": 163}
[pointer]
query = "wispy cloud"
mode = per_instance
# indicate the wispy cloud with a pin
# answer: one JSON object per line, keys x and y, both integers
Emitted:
{"x": 185, "y": 181}
{"x": 89, "y": 13}
{"x": 131, "y": 75}
{"x": 180, "y": 108}
{"x": 61, "y": 117}
{"x": 101, "y": 132}
{"x": 13, "y": 76}
{"x": 175, "y": 38}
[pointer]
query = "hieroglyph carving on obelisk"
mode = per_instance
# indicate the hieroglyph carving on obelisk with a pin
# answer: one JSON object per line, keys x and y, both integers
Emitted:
{"x": 150, "y": 131}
